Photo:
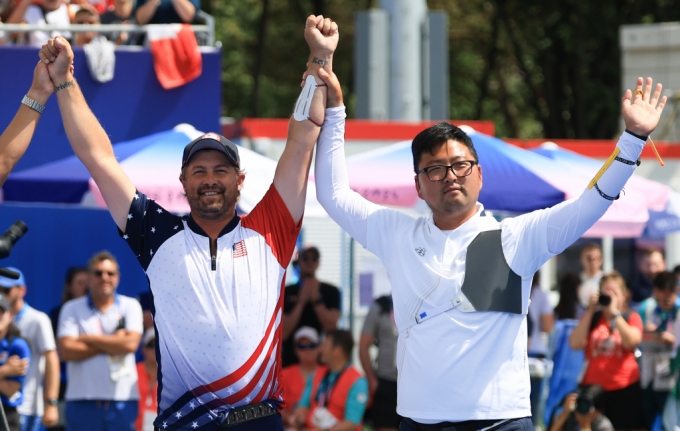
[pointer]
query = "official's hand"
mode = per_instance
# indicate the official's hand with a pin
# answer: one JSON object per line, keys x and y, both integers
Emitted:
{"x": 641, "y": 112}
{"x": 42, "y": 86}
{"x": 321, "y": 35}
{"x": 334, "y": 90}
{"x": 58, "y": 56}
{"x": 15, "y": 366}
{"x": 50, "y": 416}
{"x": 667, "y": 338}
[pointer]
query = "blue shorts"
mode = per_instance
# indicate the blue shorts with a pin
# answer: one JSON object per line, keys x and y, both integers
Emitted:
{"x": 101, "y": 415}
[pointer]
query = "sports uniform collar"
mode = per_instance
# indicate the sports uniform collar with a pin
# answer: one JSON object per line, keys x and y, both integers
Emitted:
{"x": 199, "y": 230}
{"x": 471, "y": 223}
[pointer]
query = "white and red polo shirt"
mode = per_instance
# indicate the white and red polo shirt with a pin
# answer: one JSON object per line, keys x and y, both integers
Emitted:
{"x": 217, "y": 318}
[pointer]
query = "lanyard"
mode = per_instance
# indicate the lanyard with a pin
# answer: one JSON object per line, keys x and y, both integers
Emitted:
{"x": 326, "y": 387}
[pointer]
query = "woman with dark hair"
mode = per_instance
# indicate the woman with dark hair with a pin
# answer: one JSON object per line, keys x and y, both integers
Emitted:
{"x": 75, "y": 286}
{"x": 609, "y": 333}
{"x": 568, "y": 307}
{"x": 14, "y": 359}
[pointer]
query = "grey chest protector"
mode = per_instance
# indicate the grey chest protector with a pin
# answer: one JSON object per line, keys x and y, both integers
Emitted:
{"x": 489, "y": 283}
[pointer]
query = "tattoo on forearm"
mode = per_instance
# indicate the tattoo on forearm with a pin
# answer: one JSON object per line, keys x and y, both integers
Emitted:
{"x": 67, "y": 84}
{"x": 317, "y": 60}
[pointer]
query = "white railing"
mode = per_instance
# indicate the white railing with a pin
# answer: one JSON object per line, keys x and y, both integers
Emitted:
{"x": 205, "y": 33}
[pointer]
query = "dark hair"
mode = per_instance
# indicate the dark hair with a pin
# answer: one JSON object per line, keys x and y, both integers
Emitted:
{"x": 70, "y": 275}
{"x": 434, "y": 136}
{"x": 665, "y": 281}
{"x": 342, "y": 338}
{"x": 591, "y": 246}
{"x": 566, "y": 307}
{"x": 101, "y": 257}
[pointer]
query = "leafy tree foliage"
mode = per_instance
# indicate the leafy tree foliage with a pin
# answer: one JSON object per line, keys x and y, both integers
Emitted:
{"x": 535, "y": 68}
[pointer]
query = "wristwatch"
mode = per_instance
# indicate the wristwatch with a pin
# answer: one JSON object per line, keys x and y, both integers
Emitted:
{"x": 33, "y": 104}
{"x": 53, "y": 402}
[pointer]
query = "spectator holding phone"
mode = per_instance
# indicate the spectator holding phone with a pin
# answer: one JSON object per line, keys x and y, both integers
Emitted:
{"x": 98, "y": 336}
{"x": 609, "y": 332}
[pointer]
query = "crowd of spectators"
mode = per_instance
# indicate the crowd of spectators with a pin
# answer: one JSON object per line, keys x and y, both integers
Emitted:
{"x": 628, "y": 379}
{"x": 65, "y": 12}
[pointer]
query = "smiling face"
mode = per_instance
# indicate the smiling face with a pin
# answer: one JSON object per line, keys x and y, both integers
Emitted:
{"x": 453, "y": 196}
{"x": 212, "y": 185}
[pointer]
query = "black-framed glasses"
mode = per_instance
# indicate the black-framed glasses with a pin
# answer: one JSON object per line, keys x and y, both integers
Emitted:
{"x": 438, "y": 172}
{"x": 99, "y": 273}
{"x": 303, "y": 346}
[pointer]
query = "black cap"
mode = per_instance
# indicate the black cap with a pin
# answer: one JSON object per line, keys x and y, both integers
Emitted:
{"x": 212, "y": 141}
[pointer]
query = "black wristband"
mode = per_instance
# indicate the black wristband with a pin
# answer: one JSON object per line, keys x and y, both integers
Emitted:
{"x": 609, "y": 198}
{"x": 628, "y": 162}
{"x": 644, "y": 138}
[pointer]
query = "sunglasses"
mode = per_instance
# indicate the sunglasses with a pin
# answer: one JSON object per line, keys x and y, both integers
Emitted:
{"x": 310, "y": 346}
{"x": 309, "y": 259}
{"x": 99, "y": 273}
{"x": 151, "y": 344}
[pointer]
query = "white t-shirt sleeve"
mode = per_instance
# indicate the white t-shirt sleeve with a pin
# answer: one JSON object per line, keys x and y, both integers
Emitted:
{"x": 133, "y": 316}
{"x": 531, "y": 239}
{"x": 68, "y": 321}
{"x": 34, "y": 15}
{"x": 45, "y": 337}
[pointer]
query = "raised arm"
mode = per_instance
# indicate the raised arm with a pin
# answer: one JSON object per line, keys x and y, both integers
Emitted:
{"x": 292, "y": 170}
{"x": 16, "y": 137}
{"x": 346, "y": 207}
{"x": 88, "y": 139}
{"x": 542, "y": 234}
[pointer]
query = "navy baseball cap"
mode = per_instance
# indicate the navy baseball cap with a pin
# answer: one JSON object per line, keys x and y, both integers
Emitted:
{"x": 8, "y": 283}
{"x": 212, "y": 141}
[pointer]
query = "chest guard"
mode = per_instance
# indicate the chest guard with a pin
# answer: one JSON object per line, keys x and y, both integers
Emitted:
{"x": 490, "y": 284}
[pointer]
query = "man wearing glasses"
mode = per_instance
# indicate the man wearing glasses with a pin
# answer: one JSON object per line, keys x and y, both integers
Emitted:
{"x": 460, "y": 279}
{"x": 98, "y": 336}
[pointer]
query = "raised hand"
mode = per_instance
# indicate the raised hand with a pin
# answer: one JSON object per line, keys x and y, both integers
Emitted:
{"x": 58, "y": 56}
{"x": 42, "y": 86}
{"x": 641, "y": 110}
{"x": 322, "y": 37}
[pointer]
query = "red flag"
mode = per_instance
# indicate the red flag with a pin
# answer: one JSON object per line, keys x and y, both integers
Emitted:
{"x": 176, "y": 56}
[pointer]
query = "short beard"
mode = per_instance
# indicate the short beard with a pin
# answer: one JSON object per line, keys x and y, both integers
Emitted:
{"x": 214, "y": 213}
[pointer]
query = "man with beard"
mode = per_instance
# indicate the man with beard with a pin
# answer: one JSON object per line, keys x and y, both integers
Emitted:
{"x": 461, "y": 279}
{"x": 216, "y": 278}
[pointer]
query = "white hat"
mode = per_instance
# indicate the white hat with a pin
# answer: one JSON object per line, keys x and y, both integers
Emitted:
{"x": 306, "y": 332}
{"x": 149, "y": 335}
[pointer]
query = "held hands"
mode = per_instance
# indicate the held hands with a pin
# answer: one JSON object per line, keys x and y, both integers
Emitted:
{"x": 641, "y": 112}
{"x": 42, "y": 86}
{"x": 322, "y": 37}
{"x": 58, "y": 56}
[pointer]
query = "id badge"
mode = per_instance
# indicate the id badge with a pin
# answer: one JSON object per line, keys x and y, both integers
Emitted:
{"x": 323, "y": 418}
{"x": 117, "y": 367}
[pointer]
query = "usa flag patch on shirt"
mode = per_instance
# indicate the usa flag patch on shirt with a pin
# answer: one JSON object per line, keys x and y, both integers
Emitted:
{"x": 240, "y": 249}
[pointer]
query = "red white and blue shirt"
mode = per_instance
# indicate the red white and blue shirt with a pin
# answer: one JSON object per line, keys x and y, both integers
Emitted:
{"x": 217, "y": 318}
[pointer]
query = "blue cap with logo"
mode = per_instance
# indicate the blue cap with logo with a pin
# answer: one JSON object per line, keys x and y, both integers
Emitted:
{"x": 7, "y": 282}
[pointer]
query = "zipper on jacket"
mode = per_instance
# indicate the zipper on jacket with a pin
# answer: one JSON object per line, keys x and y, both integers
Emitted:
{"x": 213, "y": 254}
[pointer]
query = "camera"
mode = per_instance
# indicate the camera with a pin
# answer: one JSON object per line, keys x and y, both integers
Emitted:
{"x": 586, "y": 398}
{"x": 604, "y": 300}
